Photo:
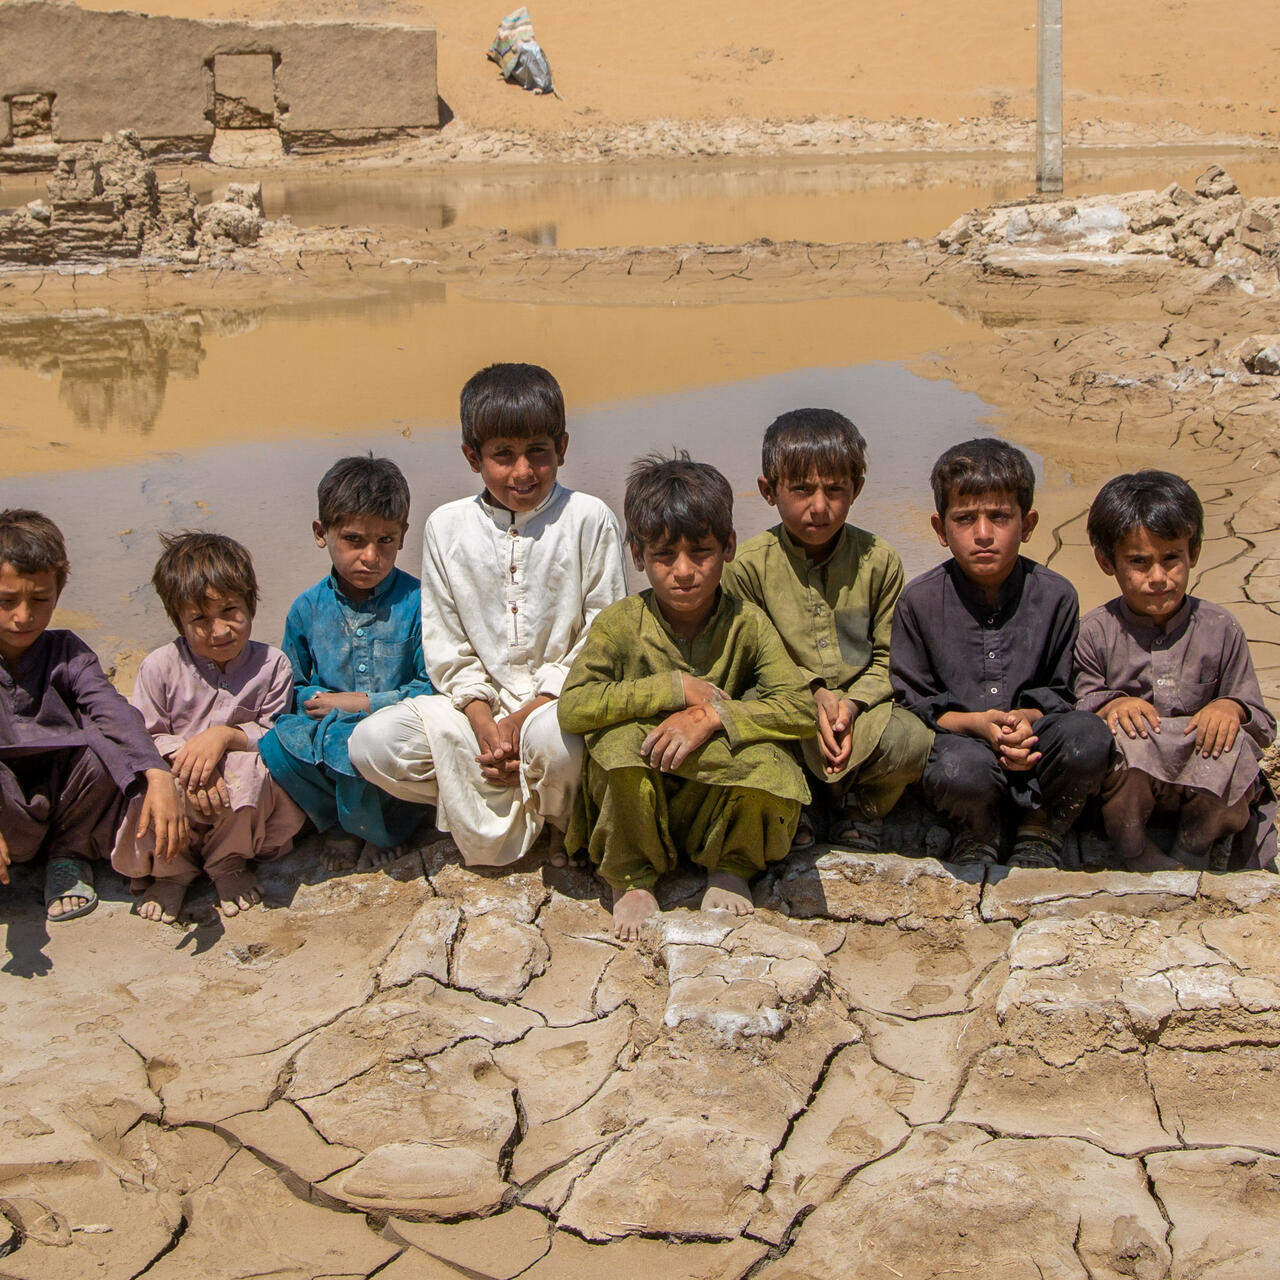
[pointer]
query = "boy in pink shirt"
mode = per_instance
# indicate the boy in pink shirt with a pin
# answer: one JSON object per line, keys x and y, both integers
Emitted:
{"x": 207, "y": 698}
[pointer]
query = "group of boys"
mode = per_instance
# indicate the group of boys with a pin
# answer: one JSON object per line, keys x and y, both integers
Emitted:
{"x": 750, "y": 697}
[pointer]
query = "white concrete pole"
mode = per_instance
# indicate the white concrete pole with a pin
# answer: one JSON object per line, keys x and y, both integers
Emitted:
{"x": 1049, "y": 96}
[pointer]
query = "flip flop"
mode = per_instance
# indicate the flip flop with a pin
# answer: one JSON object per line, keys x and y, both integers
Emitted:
{"x": 69, "y": 877}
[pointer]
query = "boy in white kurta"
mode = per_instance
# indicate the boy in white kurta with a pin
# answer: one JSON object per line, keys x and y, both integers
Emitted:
{"x": 511, "y": 580}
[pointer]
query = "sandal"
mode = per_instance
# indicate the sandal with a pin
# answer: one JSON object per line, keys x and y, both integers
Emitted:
{"x": 69, "y": 877}
{"x": 805, "y": 837}
{"x": 858, "y": 834}
{"x": 1036, "y": 849}
{"x": 969, "y": 851}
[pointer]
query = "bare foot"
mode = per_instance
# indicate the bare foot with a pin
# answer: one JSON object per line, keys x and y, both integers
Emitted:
{"x": 237, "y": 892}
{"x": 727, "y": 893}
{"x": 340, "y": 852}
{"x": 630, "y": 911}
{"x": 373, "y": 856}
{"x": 556, "y": 856}
{"x": 1151, "y": 859}
{"x": 65, "y": 906}
{"x": 163, "y": 901}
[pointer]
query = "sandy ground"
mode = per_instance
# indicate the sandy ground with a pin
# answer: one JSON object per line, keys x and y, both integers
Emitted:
{"x": 1205, "y": 67}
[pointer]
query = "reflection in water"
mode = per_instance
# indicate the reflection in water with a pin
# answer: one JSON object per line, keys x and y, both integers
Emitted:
{"x": 112, "y": 372}
{"x": 264, "y": 493}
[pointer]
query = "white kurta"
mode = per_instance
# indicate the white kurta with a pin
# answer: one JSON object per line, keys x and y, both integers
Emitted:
{"x": 507, "y": 600}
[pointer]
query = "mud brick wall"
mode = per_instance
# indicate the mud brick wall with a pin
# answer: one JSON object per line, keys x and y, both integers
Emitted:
{"x": 111, "y": 71}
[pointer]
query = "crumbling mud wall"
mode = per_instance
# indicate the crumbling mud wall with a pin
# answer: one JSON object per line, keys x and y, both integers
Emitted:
{"x": 81, "y": 74}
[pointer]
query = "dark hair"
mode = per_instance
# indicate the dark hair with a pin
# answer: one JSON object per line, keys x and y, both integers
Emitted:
{"x": 32, "y": 543}
{"x": 363, "y": 486}
{"x": 809, "y": 442}
{"x": 193, "y": 564}
{"x": 517, "y": 400}
{"x": 985, "y": 465}
{"x": 674, "y": 498}
{"x": 1163, "y": 504}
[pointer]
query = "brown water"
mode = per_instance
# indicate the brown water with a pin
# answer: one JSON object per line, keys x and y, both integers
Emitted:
{"x": 122, "y": 425}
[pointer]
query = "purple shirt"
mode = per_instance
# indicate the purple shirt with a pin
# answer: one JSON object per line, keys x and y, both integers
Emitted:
{"x": 59, "y": 699}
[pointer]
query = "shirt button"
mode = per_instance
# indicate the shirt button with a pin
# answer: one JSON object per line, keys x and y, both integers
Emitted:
{"x": 991, "y": 653}
{"x": 515, "y": 608}
{"x": 995, "y": 688}
{"x": 822, "y": 644}
{"x": 359, "y": 631}
{"x": 362, "y": 667}
{"x": 514, "y": 532}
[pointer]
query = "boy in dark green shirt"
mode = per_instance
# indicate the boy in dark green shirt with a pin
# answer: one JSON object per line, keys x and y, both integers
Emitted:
{"x": 675, "y": 756}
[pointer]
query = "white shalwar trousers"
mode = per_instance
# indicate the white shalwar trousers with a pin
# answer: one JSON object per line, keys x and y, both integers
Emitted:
{"x": 424, "y": 750}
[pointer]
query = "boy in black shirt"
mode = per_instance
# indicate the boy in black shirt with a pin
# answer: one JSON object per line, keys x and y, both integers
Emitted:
{"x": 981, "y": 652}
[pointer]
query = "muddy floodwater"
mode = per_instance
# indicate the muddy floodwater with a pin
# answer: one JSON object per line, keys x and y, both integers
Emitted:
{"x": 201, "y": 416}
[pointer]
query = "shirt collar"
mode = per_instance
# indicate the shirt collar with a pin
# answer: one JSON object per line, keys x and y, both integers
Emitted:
{"x": 505, "y": 519}
{"x": 365, "y": 606}
{"x": 976, "y": 599}
{"x": 1140, "y": 622}
{"x": 723, "y": 601}
{"x": 208, "y": 666}
{"x": 796, "y": 552}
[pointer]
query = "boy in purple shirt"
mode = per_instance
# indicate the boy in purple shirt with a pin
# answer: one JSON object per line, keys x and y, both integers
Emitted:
{"x": 1171, "y": 676}
{"x": 72, "y": 750}
{"x": 207, "y": 698}
{"x": 981, "y": 652}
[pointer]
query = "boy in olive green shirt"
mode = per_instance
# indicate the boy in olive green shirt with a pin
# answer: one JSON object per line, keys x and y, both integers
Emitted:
{"x": 830, "y": 589}
{"x": 676, "y": 758}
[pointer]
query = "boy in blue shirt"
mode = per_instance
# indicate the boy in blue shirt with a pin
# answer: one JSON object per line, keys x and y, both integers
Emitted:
{"x": 355, "y": 642}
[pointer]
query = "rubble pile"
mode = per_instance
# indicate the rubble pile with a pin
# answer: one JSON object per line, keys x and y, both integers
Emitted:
{"x": 105, "y": 202}
{"x": 1212, "y": 226}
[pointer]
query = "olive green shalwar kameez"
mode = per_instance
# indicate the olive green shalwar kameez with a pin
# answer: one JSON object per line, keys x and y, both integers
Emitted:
{"x": 734, "y": 803}
{"x": 835, "y": 617}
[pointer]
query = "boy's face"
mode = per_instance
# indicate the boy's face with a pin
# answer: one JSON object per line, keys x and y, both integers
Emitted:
{"x": 813, "y": 509}
{"x": 984, "y": 531}
{"x": 27, "y": 602}
{"x": 363, "y": 550}
{"x": 1152, "y": 573}
{"x": 217, "y": 628}
{"x": 518, "y": 473}
{"x": 684, "y": 575}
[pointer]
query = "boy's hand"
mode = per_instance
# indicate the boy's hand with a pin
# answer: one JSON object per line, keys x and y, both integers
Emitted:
{"x": 835, "y": 727}
{"x": 698, "y": 693}
{"x": 211, "y": 798}
{"x": 4, "y": 859}
{"x": 509, "y": 738}
{"x": 499, "y": 761}
{"x": 1136, "y": 716}
{"x": 1017, "y": 742}
{"x": 320, "y": 704}
{"x": 164, "y": 812}
{"x": 670, "y": 744}
{"x": 197, "y": 760}
{"x": 1216, "y": 726}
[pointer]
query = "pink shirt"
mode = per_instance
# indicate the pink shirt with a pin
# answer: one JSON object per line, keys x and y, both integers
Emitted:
{"x": 180, "y": 695}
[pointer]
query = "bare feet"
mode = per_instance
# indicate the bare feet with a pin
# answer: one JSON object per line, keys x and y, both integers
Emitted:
{"x": 1151, "y": 859}
{"x": 630, "y": 911}
{"x": 556, "y": 856}
{"x": 727, "y": 893}
{"x": 163, "y": 901}
{"x": 373, "y": 856}
{"x": 237, "y": 892}
{"x": 340, "y": 852}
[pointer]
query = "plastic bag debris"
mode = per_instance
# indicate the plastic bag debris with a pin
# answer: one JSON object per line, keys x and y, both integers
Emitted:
{"x": 519, "y": 55}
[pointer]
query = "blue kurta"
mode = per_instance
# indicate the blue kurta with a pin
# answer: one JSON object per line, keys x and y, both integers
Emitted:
{"x": 336, "y": 645}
